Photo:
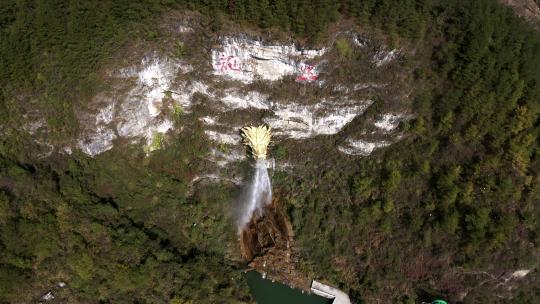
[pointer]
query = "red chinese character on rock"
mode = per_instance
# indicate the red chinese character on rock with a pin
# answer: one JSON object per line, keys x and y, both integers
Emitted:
{"x": 227, "y": 63}
{"x": 308, "y": 73}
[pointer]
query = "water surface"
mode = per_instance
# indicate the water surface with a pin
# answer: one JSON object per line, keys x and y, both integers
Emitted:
{"x": 267, "y": 292}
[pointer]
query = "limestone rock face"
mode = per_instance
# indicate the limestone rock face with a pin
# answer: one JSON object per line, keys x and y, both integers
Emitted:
{"x": 246, "y": 60}
{"x": 222, "y": 84}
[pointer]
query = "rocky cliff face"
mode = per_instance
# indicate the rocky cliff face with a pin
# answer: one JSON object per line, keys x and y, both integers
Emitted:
{"x": 528, "y": 9}
{"x": 229, "y": 81}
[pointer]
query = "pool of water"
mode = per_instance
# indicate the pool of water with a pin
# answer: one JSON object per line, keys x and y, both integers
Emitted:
{"x": 267, "y": 292}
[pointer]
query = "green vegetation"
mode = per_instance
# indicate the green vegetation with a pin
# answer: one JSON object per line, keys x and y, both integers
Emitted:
{"x": 50, "y": 52}
{"x": 344, "y": 48}
{"x": 114, "y": 230}
{"x": 180, "y": 50}
{"x": 157, "y": 142}
{"x": 459, "y": 192}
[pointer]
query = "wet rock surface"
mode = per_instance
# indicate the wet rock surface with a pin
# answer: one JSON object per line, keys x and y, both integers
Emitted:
{"x": 267, "y": 244}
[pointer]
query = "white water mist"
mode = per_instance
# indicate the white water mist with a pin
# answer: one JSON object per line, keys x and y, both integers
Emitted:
{"x": 258, "y": 195}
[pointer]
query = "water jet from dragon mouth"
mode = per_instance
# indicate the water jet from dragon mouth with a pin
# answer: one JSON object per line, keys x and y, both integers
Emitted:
{"x": 258, "y": 195}
{"x": 259, "y": 191}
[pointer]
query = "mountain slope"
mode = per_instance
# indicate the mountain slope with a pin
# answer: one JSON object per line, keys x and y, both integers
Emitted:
{"x": 408, "y": 164}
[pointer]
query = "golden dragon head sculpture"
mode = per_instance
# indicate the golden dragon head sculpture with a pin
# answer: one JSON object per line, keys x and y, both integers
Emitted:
{"x": 258, "y": 139}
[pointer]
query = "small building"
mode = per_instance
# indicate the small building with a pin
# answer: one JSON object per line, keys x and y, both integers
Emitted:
{"x": 329, "y": 292}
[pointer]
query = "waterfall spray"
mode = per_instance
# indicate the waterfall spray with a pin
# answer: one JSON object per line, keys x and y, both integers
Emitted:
{"x": 259, "y": 192}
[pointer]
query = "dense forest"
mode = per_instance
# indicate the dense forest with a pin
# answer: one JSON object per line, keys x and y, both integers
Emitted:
{"x": 461, "y": 190}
